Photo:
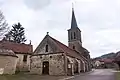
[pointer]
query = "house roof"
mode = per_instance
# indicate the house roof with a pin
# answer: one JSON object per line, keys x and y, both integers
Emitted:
{"x": 107, "y": 60}
{"x": 6, "y": 52}
{"x": 16, "y": 47}
{"x": 67, "y": 50}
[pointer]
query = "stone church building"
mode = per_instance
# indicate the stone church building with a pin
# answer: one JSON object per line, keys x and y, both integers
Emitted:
{"x": 52, "y": 57}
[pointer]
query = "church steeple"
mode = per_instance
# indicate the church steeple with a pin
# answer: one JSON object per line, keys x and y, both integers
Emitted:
{"x": 74, "y": 34}
{"x": 73, "y": 20}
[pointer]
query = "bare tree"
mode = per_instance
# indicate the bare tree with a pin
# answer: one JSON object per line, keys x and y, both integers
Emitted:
{"x": 3, "y": 25}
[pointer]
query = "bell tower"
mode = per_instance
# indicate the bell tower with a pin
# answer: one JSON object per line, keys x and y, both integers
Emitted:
{"x": 74, "y": 34}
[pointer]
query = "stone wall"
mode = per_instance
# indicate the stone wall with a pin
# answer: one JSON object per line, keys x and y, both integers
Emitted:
{"x": 56, "y": 64}
{"x": 21, "y": 65}
{"x": 8, "y": 64}
{"x": 73, "y": 66}
{"x": 52, "y": 48}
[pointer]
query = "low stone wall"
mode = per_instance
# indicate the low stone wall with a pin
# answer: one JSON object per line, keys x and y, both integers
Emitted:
{"x": 8, "y": 64}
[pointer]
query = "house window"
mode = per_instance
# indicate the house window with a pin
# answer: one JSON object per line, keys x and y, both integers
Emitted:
{"x": 74, "y": 36}
{"x": 25, "y": 58}
{"x": 46, "y": 49}
{"x": 71, "y": 36}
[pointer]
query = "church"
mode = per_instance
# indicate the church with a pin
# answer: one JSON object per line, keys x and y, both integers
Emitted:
{"x": 52, "y": 57}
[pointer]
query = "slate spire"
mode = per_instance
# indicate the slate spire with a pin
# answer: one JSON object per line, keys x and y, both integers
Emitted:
{"x": 73, "y": 21}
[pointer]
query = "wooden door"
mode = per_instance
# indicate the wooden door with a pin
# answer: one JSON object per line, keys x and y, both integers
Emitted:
{"x": 45, "y": 68}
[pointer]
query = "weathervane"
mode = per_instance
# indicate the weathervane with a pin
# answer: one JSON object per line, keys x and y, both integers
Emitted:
{"x": 73, "y": 2}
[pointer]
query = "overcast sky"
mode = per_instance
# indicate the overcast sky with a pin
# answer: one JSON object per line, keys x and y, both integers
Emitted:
{"x": 99, "y": 21}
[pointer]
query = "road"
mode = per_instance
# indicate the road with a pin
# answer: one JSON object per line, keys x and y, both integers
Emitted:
{"x": 97, "y": 74}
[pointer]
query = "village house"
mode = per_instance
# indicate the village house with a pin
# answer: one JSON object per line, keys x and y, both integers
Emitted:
{"x": 104, "y": 63}
{"x": 52, "y": 57}
{"x": 117, "y": 60}
{"x": 22, "y": 51}
{"x": 8, "y": 61}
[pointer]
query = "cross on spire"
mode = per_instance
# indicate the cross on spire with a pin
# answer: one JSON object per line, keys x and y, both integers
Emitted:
{"x": 47, "y": 33}
{"x": 72, "y": 6}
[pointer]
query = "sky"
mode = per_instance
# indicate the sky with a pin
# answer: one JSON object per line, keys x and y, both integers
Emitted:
{"x": 99, "y": 21}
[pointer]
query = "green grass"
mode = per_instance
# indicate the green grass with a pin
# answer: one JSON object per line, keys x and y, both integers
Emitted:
{"x": 19, "y": 77}
{"x": 117, "y": 74}
{"x": 29, "y": 77}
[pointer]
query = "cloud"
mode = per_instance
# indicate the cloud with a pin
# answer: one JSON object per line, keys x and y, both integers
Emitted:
{"x": 97, "y": 19}
{"x": 37, "y": 4}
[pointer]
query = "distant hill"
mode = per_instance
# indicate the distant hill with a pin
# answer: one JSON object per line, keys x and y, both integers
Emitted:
{"x": 107, "y": 56}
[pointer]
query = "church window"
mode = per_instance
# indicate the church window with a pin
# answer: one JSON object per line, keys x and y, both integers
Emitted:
{"x": 50, "y": 56}
{"x": 74, "y": 36}
{"x": 25, "y": 58}
{"x": 73, "y": 47}
{"x": 71, "y": 36}
{"x": 46, "y": 50}
{"x": 58, "y": 66}
{"x": 40, "y": 56}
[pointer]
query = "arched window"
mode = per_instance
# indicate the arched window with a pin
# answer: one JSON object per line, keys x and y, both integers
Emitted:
{"x": 46, "y": 48}
{"x": 74, "y": 36}
{"x": 73, "y": 47}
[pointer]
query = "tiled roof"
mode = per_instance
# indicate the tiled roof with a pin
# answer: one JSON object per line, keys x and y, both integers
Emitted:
{"x": 16, "y": 47}
{"x": 6, "y": 52}
{"x": 107, "y": 60}
{"x": 67, "y": 50}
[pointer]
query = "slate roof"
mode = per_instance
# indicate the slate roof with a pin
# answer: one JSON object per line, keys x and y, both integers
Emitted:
{"x": 6, "y": 52}
{"x": 73, "y": 21}
{"x": 16, "y": 47}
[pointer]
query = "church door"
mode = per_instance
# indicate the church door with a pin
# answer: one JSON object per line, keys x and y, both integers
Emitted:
{"x": 45, "y": 68}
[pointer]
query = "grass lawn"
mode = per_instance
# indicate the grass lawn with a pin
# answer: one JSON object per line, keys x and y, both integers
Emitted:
{"x": 29, "y": 77}
{"x": 19, "y": 77}
{"x": 117, "y": 74}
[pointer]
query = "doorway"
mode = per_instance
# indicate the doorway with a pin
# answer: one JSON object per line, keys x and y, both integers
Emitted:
{"x": 76, "y": 67}
{"x": 45, "y": 69}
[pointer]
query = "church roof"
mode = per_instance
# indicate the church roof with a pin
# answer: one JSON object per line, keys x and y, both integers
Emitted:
{"x": 73, "y": 21}
{"x": 67, "y": 50}
{"x": 16, "y": 47}
{"x": 62, "y": 48}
